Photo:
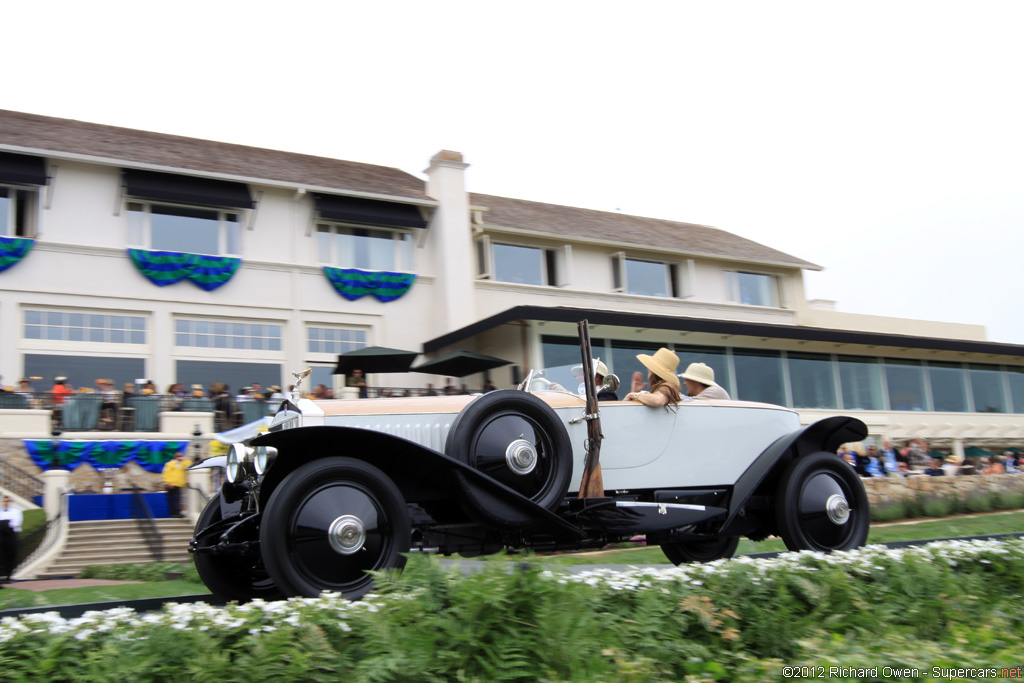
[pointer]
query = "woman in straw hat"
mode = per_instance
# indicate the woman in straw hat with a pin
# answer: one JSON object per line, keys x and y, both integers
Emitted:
{"x": 661, "y": 376}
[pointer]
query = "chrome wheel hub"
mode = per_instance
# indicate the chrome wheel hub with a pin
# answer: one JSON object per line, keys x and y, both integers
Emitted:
{"x": 837, "y": 509}
{"x": 521, "y": 456}
{"x": 347, "y": 534}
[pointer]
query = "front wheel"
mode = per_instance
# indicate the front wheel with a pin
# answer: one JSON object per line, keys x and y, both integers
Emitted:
{"x": 232, "y": 576}
{"x": 329, "y": 523}
{"x": 701, "y": 551}
{"x": 821, "y": 505}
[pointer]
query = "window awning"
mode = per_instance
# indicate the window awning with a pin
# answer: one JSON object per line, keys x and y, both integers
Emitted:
{"x": 22, "y": 169}
{"x": 368, "y": 211}
{"x": 184, "y": 189}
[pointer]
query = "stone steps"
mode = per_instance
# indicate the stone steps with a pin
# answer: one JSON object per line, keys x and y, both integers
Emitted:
{"x": 118, "y": 542}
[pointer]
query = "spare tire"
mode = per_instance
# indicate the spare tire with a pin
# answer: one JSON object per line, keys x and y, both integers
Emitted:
{"x": 517, "y": 440}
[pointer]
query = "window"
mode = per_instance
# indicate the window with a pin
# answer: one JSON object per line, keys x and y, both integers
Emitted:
{"x": 949, "y": 391}
{"x": 334, "y": 340}
{"x": 861, "y": 382}
{"x": 85, "y": 327}
{"x": 987, "y": 388}
{"x": 812, "y": 381}
{"x": 193, "y": 230}
{"x": 758, "y": 375}
{"x": 17, "y": 212}
{"x": 234, "y": 375}
{"x": 1016, "y": 379}
{"x": 646, "y": 278}
{"x": 523, "y": 264}
{"x": 215, "y": 334}
{"x": 82, "y": 371}
{"x": 751, "y": 289}
{"x": 365, "y": 248}
{"x": 905, "y": 379}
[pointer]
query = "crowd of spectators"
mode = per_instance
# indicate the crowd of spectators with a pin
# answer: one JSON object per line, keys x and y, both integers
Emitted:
{"x": 916, "y": 458}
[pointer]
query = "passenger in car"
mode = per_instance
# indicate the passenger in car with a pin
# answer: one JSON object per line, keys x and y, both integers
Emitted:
{"x": 699, "y": 382}
{"x": 604, "y": 393}
{"x": 662, "y": 378}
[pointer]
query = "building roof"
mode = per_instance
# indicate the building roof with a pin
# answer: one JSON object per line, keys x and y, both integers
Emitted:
{"x": 126, "y": 146}
{"x": 572, "y": 222}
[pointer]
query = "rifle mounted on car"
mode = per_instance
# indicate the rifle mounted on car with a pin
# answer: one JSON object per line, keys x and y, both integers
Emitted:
{"x": 592, "y": 485}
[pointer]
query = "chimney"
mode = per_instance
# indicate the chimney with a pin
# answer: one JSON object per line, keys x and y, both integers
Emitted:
{"x": 450, "y": 236}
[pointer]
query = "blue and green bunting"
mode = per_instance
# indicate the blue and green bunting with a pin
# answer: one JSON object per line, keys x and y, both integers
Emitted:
{"x": 150, "y": 455}
{"x": 12, "y": 250}
{"x": 352, "y": 283}
{"x": 164, "y": 268}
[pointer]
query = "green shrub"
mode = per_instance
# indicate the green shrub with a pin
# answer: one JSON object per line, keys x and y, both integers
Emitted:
{"x": 1008, "y": 500}
{"x": 938, "y": 506}
{"x": 981, "y": 501}
{"x": 887, "y": 512}
{"x": 151, "y": 571}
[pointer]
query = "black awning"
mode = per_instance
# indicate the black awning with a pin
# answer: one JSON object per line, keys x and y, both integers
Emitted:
{"x": 368, "y": 211}
{"x": 22, "y": 169}
{"x": 184, "y": 189}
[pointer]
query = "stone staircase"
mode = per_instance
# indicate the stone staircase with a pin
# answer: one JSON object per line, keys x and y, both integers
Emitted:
{"x": 119, "y": 542}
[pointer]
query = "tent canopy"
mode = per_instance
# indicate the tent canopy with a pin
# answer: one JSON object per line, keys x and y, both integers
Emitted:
{"x": 460, "y": 363}
{"x": 375, "y": 359}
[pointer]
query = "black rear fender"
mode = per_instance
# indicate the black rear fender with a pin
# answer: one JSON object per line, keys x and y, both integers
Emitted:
{"x": 420, "y": 473}
{"x": 760, "y": 478}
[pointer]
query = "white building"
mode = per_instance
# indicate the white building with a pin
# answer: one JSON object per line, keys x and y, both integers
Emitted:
{"x": 499, "y": 276}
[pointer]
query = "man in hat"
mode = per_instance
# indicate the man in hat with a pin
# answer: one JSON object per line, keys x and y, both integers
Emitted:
{"x": 699, "y": 382}
{"x": 174, "y": 481}
{"x": 600, "y": 372}
{"x": 60, "y": 390}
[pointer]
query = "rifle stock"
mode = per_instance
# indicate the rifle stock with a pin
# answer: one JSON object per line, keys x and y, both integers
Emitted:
{"x": 592, "y": 485}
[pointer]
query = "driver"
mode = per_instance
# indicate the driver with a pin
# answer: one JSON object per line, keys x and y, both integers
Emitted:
{"x": 604, "y": 393}
{"x": 661, "y": 376}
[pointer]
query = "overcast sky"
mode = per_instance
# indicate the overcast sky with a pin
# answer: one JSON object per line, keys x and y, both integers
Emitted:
{"x": 883, "y": 141}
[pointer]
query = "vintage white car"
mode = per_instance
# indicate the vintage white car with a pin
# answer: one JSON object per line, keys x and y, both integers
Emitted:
{"x": 337, "y": 488}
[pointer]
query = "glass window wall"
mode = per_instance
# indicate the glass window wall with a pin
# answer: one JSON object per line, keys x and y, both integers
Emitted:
{"x": 987, "y": 389}
{"x": 758, "y": 376}
{"x": 812, "y": 380}
{"x": 905, "y": 379}
{"x": 714, "y": 357}
{"x": 949, "y": 390}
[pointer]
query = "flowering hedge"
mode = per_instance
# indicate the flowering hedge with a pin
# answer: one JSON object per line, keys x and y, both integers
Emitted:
{"x": 946, "y": 608}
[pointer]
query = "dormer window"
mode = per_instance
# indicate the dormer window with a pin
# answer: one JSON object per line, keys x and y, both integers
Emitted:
{"x": 646, "y": 277}
{"x": 751, "y": 289}
{"x": 523, "y": 264}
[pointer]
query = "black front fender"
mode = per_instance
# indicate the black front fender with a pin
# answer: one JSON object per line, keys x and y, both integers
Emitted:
{"x": 420, "y": 473}
{"x": 824, "y": 435}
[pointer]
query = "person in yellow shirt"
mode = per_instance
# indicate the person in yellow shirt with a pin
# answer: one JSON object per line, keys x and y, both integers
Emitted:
{"x": 174, "y": 481}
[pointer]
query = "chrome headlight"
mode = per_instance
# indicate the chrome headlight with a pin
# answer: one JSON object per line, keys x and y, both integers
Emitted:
{"x": 263, "y": 457}
{"x": 235, "y": 461}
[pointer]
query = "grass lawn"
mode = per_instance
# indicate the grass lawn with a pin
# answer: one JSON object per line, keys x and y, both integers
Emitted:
{"x": 991, "y": 523}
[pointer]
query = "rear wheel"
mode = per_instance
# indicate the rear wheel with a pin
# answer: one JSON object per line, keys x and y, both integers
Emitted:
{"x": 232, "y": 576}
{"x": 701, "y": 551}
{"x": 821, "y": 505}
{"x": 329, "y": 523}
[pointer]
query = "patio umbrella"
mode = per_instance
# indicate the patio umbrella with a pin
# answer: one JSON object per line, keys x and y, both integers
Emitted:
{"x": 375, "y": 359}
{"x": 975, "y": 452}
{"x": 460, "y": 363}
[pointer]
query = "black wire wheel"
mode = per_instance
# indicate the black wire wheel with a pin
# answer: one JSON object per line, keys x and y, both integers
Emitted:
{"x": 329, "y": 523}
{"x": 700, "y": 551}
{"x": 517, "y": 440}
{"x": 232, "y": 576}
{"x": 821, "y": 505}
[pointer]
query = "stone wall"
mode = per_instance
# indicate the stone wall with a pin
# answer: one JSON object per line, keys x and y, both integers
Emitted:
{"x": 887, "y": 489}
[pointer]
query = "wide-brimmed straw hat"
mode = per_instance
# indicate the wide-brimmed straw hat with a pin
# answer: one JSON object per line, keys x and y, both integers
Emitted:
{"x": 663, "y": 364}
{"x": 699, "y": 372}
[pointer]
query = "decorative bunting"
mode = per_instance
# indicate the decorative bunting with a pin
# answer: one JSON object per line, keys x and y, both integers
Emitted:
{"x": 352, "y": 283}
{"x": 150, "y": 455}
{"x": 12, "y": 250}
{"x": 164, "y": 268}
